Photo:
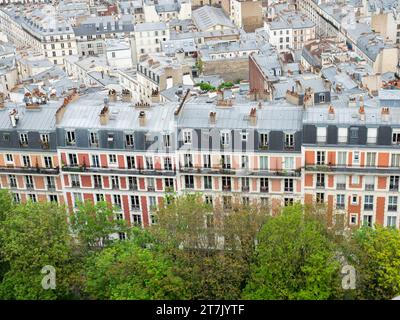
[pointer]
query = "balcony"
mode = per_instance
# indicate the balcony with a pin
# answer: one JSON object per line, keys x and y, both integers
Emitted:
{"x": 263, "y": 147}
{"x": 133, "y": 187}
{"x": 13, "y": 186}
{"x": 352, "y": 169}
{"x": 226, "y": 188}
{"x": 340, "y": 206}
{"x": 320, "y": 184}
{"x": 98, "y": 186}
{"x": 263, "y": 189}
{"x": 151, "y": 188}
{"x": 369, "y": 187}
{"x": 29, "y": 170}
{"x": 368, "y": 207}
{"x": 51, "y": 187}
{"x": 30, "y": 186}
{"x": 288, "y": 189}
{"x": 136, "y": 208}
{"x": 288, "y": 148}
{"x": 245, "y": 188}
{"x": 115, "y": 186}
{"x": 140, "y": 171}
{"x": 394, "y": 187}
{"x": 75, "y": 184}
{"x": 340, "y": 186}
{"x": 392, "y": 207}
{"x": 189, "y": 186}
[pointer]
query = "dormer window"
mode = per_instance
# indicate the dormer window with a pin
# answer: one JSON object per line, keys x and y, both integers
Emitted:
{"x": 396, "y": 137}
{"x": 187, "y": 136}
{"x": 289, "y": 141}
{"x": 167, "y": 140}
{"x": 70, "y": 137}
{"x": 321, "y": 134}
{"x": 129, "y": 140}
{"x": 263, "y": 140}
{"x": 94, "y": 139}
{"x": 225, "y": 138}
{"x": 23, "y": 139}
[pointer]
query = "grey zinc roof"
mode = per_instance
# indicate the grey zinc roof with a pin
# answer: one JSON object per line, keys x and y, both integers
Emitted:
{"x": 349, "y": 116}
{"x": 281, "y": 87}
{"x": 270, "y": 117}
{"x": 84, "y": 113}
{"x": 207, "y": 17}
{"x": 30, "y": 120}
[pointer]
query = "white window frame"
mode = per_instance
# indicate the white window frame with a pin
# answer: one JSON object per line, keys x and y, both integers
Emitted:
{"x": 372, "y": 134}
{"x": 187, "y": 136}
{"x": 321, "y": 134}
{"x": 342, "y": 135}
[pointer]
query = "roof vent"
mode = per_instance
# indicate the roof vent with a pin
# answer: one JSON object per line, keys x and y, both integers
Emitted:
{"x": 14, "y": 117}
{"x": 213, "y": 117}
{"x": 142, "y": 118}
{"x": 253, "y": 117}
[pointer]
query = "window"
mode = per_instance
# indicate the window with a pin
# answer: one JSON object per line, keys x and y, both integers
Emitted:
{"x": 129, "y": 143}
{"x": 152, "y": 202}
{"x": 137, "y": 219}
{"x": 245, "y": 162}
{"x": 207, "y": 182}
{"x": 353, "y": 219}
{"x": 340, "y": 204}
{"x": 244, "y": 136}
{"x": 12, "y": 181}
{"x": 320, "y": 180}
{"x": 356, "y": 157}
{"x": 16, "y": 198}
{"x": 149, "y": 163}
{"x": 342, "y": 135}
{"x": 263, "y": 162}
{"x": 367, "y": 220}
{"x": 288, "y": 202}
{"x": 225, "y": 138}
{"x": 227, "y": 202}
{"x": 97, "y": 181}
{"x": 188, "y": 160}
{"x": 263, "y": 140}
{"x": 114, "y": 182}
{"x": 93, "y": 139}
{"x": 169, "y": 183}
{"x": 341, "y": 158}
{"x": 99, "y": 197}
{"x": 288, "y": 185}
{"x": 23, "y": 139}
{"x": 391, "y": 221}
{"x": 395, "y": 159}
{"x": 208, "y": 199}
{"x": 289, "y": 141}
{"x": 132, "y": 183}
{"x": 264, "y": 184}
{"x": 396, "y": 137}
{"x": 189, "y": 182}
{"x": 371, "y": 135}
{"x": 355, "y": 179}
{"x": 70, "y": 137}
{"x": 226, "y": 183}
{"x": 320, "y": 197}
{"x": 371, "y": 159}
{"x": 245, "y": 184}
{"x": 353, "y": 136}
{"x": 29, "y": 182}
{"x": 354, "y": 199}
{"x": 368, "y": 202}
{"x": 112, "y": 159}
{"x": 226, "y": 161}
{"x": 288, "y": 163}
{"x": 369, "y": 183}
{"x": 393, "y": 183}
{"x": 73, "y": 159}
{"x": 392, "y": 203}
{"x": 95, "y": 160}
{"x": 167, "y": 163}
{"x": 187, "y": 137}
{"x": 117, "y": 201}
{"x": 207, "y": 161}
{"x": 32, "y": 197}
{"x": 26, "y": 160}
{"x": 75, "y": 182}
{"x": 48, "y": 163}
{"x": 321, "y": 134}
{"x": 9, "y": 157}
{"x": 320, "y": 157}
{"x": 167, "y": 140}
{"x": 130, "y": 161}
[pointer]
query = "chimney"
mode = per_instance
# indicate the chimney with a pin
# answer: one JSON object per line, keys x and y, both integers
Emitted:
{"x": 361, "y": 113}
{"x": 331, "y": 113}
{"x": 112, "y": 95}
{"x": 126, "y": 95}
{"x": 14, "y": 117}
{"x": 253, "y": 117}
{"x": 142, "y": 118}
{"x": 104, "y": 115}
{"x": 385, "y": 114}
{"x": 2, "y": 100}
{"x": 213, "y": 117}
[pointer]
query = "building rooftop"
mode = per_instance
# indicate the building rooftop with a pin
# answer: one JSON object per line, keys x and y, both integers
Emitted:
{"x": 207, "y": 17}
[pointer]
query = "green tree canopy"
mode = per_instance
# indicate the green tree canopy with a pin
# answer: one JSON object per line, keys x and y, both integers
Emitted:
{"x": 295, "y": 259}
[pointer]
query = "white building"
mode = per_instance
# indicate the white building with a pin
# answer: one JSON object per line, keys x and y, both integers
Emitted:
{"x": 290, "y": 31}
{"x": 119, "y": 53}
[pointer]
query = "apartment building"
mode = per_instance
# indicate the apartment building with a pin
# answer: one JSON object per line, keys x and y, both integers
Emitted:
{"x": 29, "y": 165}
{"x": 246, "y": 14}
{"x": 351, "y": 162}
{"x": 345, "y": 155}
{"x": 41, "y": 29}
{"x": 290, "y": 31}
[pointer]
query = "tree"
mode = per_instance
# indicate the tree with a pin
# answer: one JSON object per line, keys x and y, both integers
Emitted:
{"x": 126, "y": 270}
{"x": 211, "y": 247}
{"x": 94, "y": 223}
{"x": 32, "y": 236}
{"x": 376, "y": 257}
{"x": 295, "y": 259}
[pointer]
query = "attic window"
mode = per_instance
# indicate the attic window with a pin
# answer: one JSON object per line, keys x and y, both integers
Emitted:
{"x": 110, "y": 138}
